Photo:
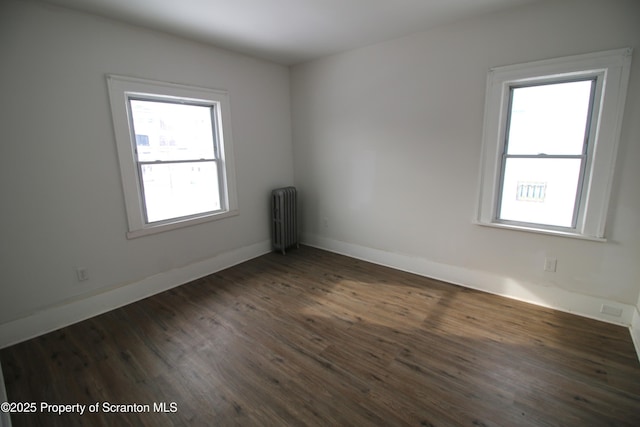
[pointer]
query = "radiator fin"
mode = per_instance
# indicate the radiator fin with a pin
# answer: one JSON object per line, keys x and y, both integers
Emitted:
{"x": 284, "y": 218}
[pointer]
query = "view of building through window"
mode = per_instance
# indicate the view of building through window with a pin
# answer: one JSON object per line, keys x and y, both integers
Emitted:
{"x": 176, "y": 157}
{"x": 545, "y": 150}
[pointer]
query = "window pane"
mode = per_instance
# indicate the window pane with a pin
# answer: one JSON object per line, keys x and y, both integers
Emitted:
{"x": 180, "y": 189}
{"x": 540, "y": 191}
{"x": 168, "y": 131}
{"x": 549, "y": 119}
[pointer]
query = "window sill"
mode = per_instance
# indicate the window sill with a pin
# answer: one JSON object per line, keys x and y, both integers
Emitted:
{"x": 160, "y": 228}
{"x": 542, "y": 231}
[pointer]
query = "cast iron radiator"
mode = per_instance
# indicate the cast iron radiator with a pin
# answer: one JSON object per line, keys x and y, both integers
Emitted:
{"x": 284, "y": 218}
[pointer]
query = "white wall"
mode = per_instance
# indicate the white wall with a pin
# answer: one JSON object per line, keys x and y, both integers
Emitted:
{"x": 387, "y": 142}
{"x": 386, "y": 146}
{"x": 62, "y": 202}
{"x": 635, "y": 328}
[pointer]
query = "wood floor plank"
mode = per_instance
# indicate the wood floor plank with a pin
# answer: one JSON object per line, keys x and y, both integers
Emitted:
{"x": 315, "y": 339}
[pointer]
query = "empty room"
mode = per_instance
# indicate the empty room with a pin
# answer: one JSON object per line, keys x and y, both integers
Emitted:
{"x": 320, "y": 212}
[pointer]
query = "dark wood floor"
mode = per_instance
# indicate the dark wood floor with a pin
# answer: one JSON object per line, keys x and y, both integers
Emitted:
{"x": 314, "y": 338}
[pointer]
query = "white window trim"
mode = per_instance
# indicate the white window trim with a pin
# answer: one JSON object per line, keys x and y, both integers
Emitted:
{"x": 120, "y": 88}
{"x": 614, "y": 66}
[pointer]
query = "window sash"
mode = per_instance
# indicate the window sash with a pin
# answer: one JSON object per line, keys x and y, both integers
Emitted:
{"x": 141, "y": 163}
{"x": 583, "y": 157}
{"x": 502, "y": 218}
{"x": 612, "y": 68}
{"x": 123, "y": 88}
{"x": 143, "y": 195}
{"x": 213, "y": 107}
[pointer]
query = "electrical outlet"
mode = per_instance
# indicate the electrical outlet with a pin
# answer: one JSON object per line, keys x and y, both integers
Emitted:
{"x": 82, "y": 274}
{"x": 550, "y": 264}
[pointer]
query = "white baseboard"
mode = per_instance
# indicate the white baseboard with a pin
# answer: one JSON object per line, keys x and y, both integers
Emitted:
{"x": 5, "y": 419}
{"x": 545, "y": 296}
{"x": 635, "y": 330}
{"x": 78, "y": 309}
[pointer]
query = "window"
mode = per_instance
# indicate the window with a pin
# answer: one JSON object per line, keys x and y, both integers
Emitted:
{"x": 174, "y": 147}
{"x": 550, "y": 137}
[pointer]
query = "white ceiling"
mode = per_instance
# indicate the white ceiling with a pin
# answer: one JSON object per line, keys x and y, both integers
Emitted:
{"x": 289, "y": 31}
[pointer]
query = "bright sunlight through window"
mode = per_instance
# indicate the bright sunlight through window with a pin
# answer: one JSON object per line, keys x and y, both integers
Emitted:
{"x": 546, "y": 145}
{"x": 551, "y": 131}
{"x": 174, "y": 147}
{"x": 176, "y": 161}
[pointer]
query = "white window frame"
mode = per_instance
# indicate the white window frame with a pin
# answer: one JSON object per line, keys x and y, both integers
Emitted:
{"x": 611, "y": 68}
{"x": 121, "y": 90}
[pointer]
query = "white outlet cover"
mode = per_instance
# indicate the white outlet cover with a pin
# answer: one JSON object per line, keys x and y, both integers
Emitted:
{"x": 550, "y": 264}
{"x": 82, "y": 274}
